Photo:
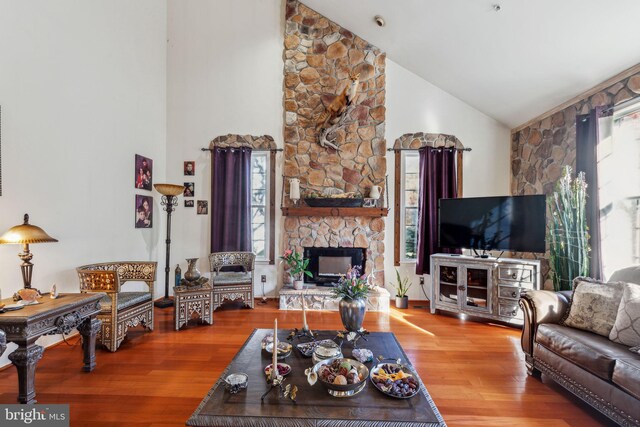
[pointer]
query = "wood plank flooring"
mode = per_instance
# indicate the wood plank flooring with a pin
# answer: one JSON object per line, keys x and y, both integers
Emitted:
{"x": 474, "y": 371}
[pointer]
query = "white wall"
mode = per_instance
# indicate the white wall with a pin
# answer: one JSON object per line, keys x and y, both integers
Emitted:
{"x": 224, "y": 75}
{"x": 415, "y": 105}
{"x": 82, "y": 89}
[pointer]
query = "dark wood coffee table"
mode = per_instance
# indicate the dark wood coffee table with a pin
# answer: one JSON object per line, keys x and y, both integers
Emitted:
{"x": 314, "y": 406}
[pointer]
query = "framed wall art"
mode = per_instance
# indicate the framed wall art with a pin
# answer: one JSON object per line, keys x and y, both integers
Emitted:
{"x": 188, "y": 203}
{"x": 190, "y": 167}
{"x": 203, "y": 207}
{"x": 144, "y": 211}
{"x": 189, "y": 189}
{"x": 143, "y": 172}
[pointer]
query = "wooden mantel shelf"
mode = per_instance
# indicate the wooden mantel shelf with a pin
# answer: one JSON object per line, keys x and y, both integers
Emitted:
{"x": 309, "y": 211}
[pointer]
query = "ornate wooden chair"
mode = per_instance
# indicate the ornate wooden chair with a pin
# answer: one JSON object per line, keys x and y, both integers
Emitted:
{"x": 120, "y": 310}
{"x": 232, "y": 285}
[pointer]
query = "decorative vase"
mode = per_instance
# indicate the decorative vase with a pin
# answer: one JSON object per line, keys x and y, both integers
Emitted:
{"x": 402, "y": 302}
{"x": 192, "y": 272}
{"x": 298, "y": 285}
{"x": 352, "y": 313}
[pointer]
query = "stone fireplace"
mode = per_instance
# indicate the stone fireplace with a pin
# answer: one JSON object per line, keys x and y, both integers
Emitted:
{"x": 319, "y": 55}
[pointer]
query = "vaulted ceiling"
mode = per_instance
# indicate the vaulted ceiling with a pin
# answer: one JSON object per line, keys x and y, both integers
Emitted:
{"x": 512, "y": 64}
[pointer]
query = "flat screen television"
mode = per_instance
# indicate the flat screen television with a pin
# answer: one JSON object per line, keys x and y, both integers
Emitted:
{"x": 515, "y": 223}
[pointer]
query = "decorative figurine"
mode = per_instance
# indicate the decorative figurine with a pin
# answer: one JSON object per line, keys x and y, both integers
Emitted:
{"x": 178, "y": 275}
{"x": 53, "y": 293}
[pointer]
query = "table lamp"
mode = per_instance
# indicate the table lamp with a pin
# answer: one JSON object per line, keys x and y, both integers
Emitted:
{"x": 169, "y": 200}
{"x": 26, "y": 234}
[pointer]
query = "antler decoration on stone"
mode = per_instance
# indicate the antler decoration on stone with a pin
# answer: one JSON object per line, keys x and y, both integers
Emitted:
{"x": 336, "y": 113}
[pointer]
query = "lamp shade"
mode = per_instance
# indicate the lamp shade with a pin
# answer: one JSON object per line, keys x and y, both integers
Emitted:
{"x": 169, "y": 189}
{"x": 26, "y": 234}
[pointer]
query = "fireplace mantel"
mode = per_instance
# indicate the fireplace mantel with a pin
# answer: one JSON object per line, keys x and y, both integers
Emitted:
{"x": 344, "y": 212}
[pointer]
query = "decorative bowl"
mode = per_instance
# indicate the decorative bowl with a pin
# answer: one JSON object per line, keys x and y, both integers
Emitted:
{"x": 283, "y": 369}
{"x": 333, "y": 202}
{"x": 284, "y": 349}
{"x": 343, "y": 390}
{"x": 236, "y": 382}
{"x": 307, "y": 348}
{"x": 326, "y": 350}
{"x": 29, "y": 296}
{"x": 389, "y": 370}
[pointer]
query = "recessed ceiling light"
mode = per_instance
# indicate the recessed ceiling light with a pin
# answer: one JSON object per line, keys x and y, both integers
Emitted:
{"x": 379, "y": 20}
{"x": 496, "y": 7}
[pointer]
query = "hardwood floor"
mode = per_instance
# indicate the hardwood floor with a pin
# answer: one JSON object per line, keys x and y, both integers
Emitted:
{"x": 474, "y": 371}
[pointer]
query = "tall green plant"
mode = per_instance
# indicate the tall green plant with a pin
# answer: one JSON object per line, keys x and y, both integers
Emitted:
{"x": 568, "y": 230}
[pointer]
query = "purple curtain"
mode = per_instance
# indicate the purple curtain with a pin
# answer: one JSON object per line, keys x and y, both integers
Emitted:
{"x": 437, "y": 181}
{"x": 588, "y": 134}
{"x": 231, "y": 199}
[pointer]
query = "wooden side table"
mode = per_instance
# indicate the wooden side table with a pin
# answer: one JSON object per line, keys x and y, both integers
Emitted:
{"x": 193, "y": 299}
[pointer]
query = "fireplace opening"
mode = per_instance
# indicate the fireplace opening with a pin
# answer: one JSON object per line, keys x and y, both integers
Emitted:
{"x": 328, "y": 264}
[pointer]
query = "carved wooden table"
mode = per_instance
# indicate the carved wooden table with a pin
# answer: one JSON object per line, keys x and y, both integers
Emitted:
{"x": 193, "y": 299}
{"x": 314, "y": 406}
{"x": 51, "y": 316}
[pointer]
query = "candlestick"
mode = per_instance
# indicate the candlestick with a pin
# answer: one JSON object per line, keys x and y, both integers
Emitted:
{"x": 294, "y": 188}
{"x": 274, "y": 363}
{"x": 304, "y": 315}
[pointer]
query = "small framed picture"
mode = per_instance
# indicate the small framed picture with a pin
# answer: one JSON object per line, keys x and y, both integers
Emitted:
{"x": 144, "y": 211}
{"x": 369, "y": 203}
{"x": 189, "y": 189}
{"x": 143, "y": 173}
{"x": 190, "y": 167}
{"x": 188, "y": 203}
{"x": 203, "y": 207}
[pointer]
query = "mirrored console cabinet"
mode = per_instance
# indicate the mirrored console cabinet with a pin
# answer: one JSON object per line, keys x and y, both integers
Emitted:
{"x": 482, "y": 287}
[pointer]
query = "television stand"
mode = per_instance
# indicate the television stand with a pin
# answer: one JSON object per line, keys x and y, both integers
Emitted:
{"x": 482, "y": 287}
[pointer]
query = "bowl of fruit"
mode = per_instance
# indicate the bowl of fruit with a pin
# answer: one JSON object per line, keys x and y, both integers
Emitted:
{"x": 341, "y": 377}
{"x": 395, "y": 380}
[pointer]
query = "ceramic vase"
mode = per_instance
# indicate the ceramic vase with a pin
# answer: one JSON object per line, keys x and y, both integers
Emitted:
{"x": 402, "y": 302}
{"x": 192, "y": 272}
{"x": 352, "y": 313}
{"x": 374, "y": 193}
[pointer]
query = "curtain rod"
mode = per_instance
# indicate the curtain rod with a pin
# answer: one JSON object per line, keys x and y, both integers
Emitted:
{"x": 252, "y": 149}
{"x": 435, "y": 148}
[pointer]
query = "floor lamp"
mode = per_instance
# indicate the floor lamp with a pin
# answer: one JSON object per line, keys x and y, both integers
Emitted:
{"x": 170, "y": 193}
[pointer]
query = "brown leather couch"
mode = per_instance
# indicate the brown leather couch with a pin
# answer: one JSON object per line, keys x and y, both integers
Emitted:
{"x": 602, "y": 373}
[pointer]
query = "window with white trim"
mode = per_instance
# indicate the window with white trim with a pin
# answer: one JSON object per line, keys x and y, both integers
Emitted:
{"x": 409, "y": 186}
{"x": 260, "y": 197}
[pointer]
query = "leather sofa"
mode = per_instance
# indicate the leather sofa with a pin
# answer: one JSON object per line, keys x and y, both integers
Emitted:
{"x": 604, "y": 374}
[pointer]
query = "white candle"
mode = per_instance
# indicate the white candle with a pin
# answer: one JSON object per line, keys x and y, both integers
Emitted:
{"x": 304, "y": 315}
{"x": 274, "y": 363}
{"x": 294, "y": 189}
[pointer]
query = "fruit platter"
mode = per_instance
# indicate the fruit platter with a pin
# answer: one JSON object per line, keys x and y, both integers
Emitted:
{"x": 283, "y": 369}
{"x": 395, "y": 380}
{"x": 341, "y": 377}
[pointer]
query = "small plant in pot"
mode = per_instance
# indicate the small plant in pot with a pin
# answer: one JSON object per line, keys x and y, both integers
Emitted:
{"x": 402, "y": 287}
{"x": 298, "y": 267}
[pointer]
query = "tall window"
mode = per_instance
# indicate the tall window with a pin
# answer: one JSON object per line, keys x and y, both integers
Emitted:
{"x": 619, "y": 191}
{"x": 409, "y": 184}
{"x": 260, "y": 211}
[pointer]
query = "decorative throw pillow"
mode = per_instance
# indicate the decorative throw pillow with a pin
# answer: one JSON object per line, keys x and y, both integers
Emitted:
{"x": 594, "y": 305}
{"x": 626, "y": 329}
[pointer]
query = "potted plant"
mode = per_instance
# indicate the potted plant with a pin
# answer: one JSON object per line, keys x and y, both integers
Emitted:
{"x": 297, "y": 267}
{"x": 402, "y": 287}
{"x": 568, "y": 231}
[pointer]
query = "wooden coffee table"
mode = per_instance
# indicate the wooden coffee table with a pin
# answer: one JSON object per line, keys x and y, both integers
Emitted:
{"x": 314, "y": 406}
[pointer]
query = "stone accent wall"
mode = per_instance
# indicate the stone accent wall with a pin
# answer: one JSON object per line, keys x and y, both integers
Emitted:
{"x": 232, "y": 140}
{"x": 415, "y": 141}
{"x": 318, "y": 57}
{"x": 541, "y": 150}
